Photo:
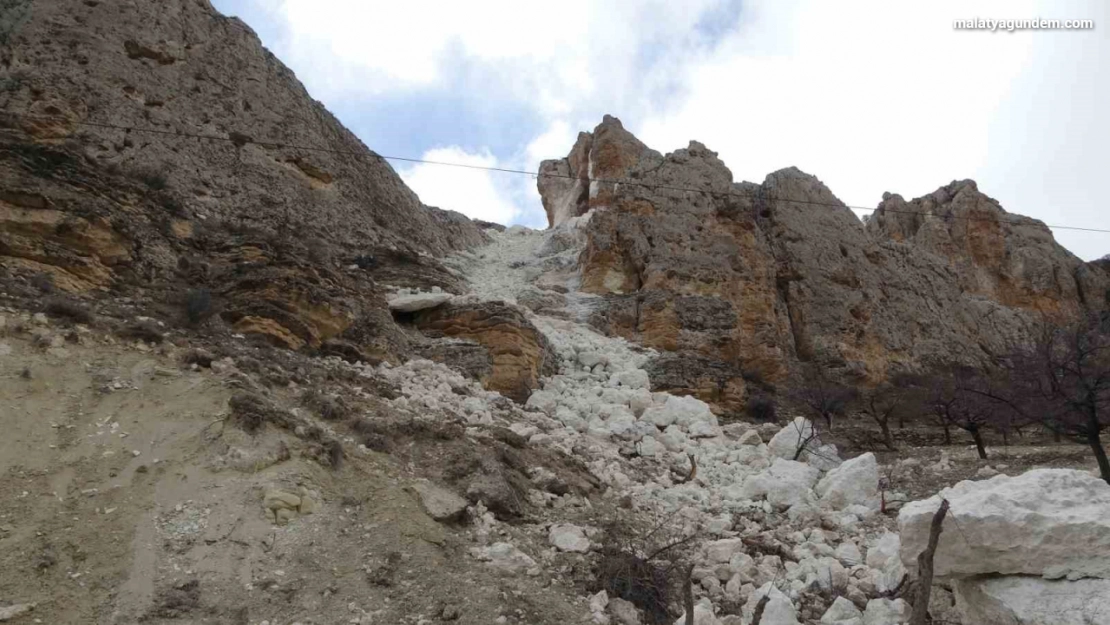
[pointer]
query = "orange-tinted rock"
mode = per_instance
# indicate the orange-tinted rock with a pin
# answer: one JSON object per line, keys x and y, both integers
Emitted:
{"x": 756, "y": 278}
{"x": 271, "y": 233}
{"x": 519, "y": 355}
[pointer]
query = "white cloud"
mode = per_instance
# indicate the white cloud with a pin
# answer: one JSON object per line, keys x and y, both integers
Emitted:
{"x": 870, "y": 95}
{"x": 475, "y": 193}
{"x": 554, "y": 142}
{"x": 560, "y": 57}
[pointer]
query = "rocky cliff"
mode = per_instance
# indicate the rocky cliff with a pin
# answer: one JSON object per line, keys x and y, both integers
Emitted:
{"x": 290, "y": 242}
{"x": 737, "y": 282}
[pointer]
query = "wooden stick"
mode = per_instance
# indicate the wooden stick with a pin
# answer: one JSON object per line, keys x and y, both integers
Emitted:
{"x": 688, "y": 595}
{"x": 925, "y": 568}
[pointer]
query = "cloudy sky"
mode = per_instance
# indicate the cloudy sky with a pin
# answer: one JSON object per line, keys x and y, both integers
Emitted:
{"x": 868, "y": 96}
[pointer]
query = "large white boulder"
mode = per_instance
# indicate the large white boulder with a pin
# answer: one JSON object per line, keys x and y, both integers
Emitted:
{"x": 440, "y": 503}
{"x": 417, "y": 301}
{"x": 855, "y": 482}
{"x": 779, "y": 609}
{"x": 842, "y": 612}
{"x": 886, "y": 565}
{"x": 797, "y": 433}
{"x": 785, "y": 483}
{"x": 505, "y": 558}
{"x": 703, "y": 614}
{"x": 1023, "y": 600}
{"x": 1050, "y": 522}
{"x": 890, "y": 612}
{"x": 681, "y": 411}
{"x": 567, "y": 537}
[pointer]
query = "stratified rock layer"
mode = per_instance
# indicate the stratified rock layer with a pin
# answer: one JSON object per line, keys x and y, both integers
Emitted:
{"x": 1020, "y": 600}
{"x": 519, "y": 353}
{"x": 739, "y": 282}
{"x": 288, "y": 240}
{"x": 1049, "y": 522}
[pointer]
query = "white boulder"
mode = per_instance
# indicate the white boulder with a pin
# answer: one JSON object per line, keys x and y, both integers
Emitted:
{"x": 779, "y": 609}
{"x": 703, "y": 614}
{"x": 722, "y": 551}
{"x": 505, "y": 558}
{"x": 785, "y": 483}
{"x": 797, "y": 433}
{"x": 440, "y": 503}
{"x": 633, "y": 378}
{"x": 855, "y": 482}
{"x": 842, "y": 612}
{"x": 883, "y": 558}
{"x": 1046, "y": 522}
{"x": 682, "y": 411}
{"x": 413, "y": 302}
{"x": 567, "y": 537}
{"x": 1023, "y": 600}
{"x": 887, "y": 612}
{"x": 849, "y": 554}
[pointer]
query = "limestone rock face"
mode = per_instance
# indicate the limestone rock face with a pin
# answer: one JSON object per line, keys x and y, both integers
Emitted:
{"x": 1023, "y": 600}
{"x": 735, "y": 282}
{"x": 271, "y": 232}
{"x": 1049, "y": 522}
{"x": 519, "y": 354}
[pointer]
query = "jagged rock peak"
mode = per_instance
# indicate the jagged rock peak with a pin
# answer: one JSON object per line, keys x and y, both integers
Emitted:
{"x": 755, "y": 280}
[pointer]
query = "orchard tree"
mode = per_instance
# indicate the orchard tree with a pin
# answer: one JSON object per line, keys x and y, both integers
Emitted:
{"x": 823, "y": 397}
{"x": 1063, "y": 382}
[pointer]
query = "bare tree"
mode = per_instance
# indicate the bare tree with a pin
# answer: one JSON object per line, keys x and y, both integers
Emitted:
{"x": 1063, "y": 381}
{"x": 880, "y": 404}
{"x": 964, "y": 398}
{"x": 823, "y": 397}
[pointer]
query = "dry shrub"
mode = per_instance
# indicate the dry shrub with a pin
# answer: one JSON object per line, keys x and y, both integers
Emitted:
{"x": 68, "y": 309}
{"x": 250, "y": 412}
{"x": 198, "y": 357}
{"x": 328, "y": 407}
{"x": 198, "y": 305}
{"x": 146, "y": 331}
{"x": 644, "y": 566}
{"x": 761, "y": 408}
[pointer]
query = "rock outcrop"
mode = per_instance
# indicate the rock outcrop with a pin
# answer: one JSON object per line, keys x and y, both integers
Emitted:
{"x": 739, "y": 282}
{"x": 285, "y": 218}
{"x": 1046, "y": 522}
{"x": 1030, "y": 549}
{"x": 518, "y": 352}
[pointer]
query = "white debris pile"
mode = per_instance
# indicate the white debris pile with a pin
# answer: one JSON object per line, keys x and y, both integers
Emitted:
{"x": 1034, "y": 548}
{"x": 787, "y": 517}
{"x": 435, "y": 391}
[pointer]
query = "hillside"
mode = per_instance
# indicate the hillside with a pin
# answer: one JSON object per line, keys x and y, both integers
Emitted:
{"x": 248, "y": 378}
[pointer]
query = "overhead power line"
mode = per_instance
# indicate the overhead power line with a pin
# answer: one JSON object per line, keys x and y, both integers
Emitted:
{"x": 240, "y": 139}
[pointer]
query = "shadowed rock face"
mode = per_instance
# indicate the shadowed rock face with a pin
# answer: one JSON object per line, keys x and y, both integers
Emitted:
{"x": 272, "y": 231}
{"x": 755, "y": 278}
{"x": 518, "y": 353}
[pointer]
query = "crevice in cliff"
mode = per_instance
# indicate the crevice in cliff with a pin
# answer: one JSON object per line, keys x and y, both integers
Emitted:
{"x": 802, "y": 350}
{"x": 1079, "y": 288}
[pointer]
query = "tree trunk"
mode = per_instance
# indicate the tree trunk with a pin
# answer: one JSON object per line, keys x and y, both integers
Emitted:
{"x": 920, "y": 613}
{"x": 1100, "y": 455}
{"x": 947, "y": 433}
{"x": 688, "y": 595}
{"x": 888, "y": 438}
{"x": 977, "y": 436}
